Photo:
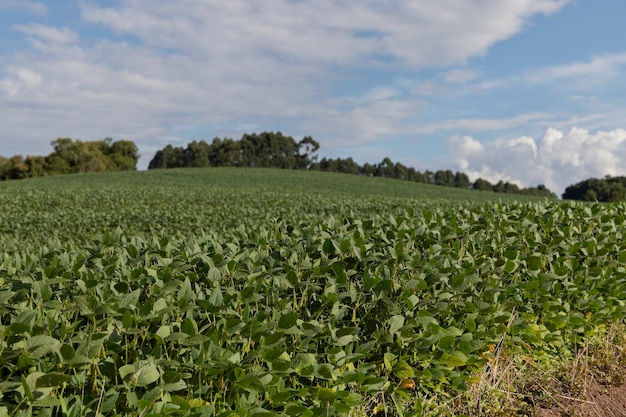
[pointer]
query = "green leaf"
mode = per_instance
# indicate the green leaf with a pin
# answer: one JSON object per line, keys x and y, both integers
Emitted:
{"x": 445, "y": 342}
{"x": 287, "y": 320}
{"x": 216, "y": 298}
{"x": 127, "y": 320}
{"x": 395, "y": 324}
{"x": 52, "y": 380}
{"x": 389, "y": 359}
{"x": 454, "y": 359}
{"x": 38, "y": 346}
{"x": 140, "y": 374}
{"x": 470, "y": 324}
{"x": 533, "y": 263}
{"x": 189, "y": 326}
{"x": 345, "y": 340}
{"x": 457, "y": 280}
{"x": 297, "y": 410}
{"x": 510, "y": 266}
{"x": 175, "y": 386}
{"x": 403, "y": 370}
{"x": 326, "y": 395}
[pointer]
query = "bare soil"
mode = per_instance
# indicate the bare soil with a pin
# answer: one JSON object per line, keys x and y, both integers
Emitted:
{"x": 599, "y": 401}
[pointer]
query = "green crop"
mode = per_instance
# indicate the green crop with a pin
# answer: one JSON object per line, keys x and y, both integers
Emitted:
{"x": 145, "y": 294}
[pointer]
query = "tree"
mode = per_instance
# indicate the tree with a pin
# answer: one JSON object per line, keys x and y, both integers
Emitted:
{"x": 602, "y": 190}
{"x": 445, "y": 178}
{"x": 400, "y": 171}
{"x": 368, "y": 169}
{"x": 482, "y": 185}
{"x": 306, "y": 153}
{"x": 461, "y": 180}
{"x": 347, "y": 166}
{"x": 385, "y": 169}
{"x": 197, "y": 154}
{"x": 13, "y": 168}
{"x": 123, "y": 156}
{"x": 168, "y": 157}
{"x": 328, "y": 165}
{"x": 80, "y": 156}
{"x": 499, "y": 187}
{"x": 36, "y": 166}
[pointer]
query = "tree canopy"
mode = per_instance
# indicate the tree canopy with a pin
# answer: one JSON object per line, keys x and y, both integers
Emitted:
{"x": 275, "y": 150}
{"x": 264, "y": 150}
{"x": 73, "y": 156}
{"x": 594, "y": 189}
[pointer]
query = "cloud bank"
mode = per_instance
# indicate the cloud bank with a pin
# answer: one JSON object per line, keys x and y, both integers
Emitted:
{"x": 158, "y": 71}
{"x": 557, "y": 159}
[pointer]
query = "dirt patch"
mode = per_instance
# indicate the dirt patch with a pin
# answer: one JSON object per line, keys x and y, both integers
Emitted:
{"x": 599, "y": 401}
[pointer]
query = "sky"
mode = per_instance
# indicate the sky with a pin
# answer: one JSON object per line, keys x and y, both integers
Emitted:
{"x": 527, "y": 91}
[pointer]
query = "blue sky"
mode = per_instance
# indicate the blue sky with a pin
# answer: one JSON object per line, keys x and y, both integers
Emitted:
{"x": 530, "y": 91}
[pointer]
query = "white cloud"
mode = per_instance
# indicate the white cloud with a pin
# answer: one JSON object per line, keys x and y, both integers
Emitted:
{"x": 418, "y": 33}
{"x": 600, "y": 69}
{"x": 31, "y": 6}
{"x": 598, "y": 66}
{"x": 557, "y": 160}
{"x": 484, "y": 124}
{"x": 366, "y": 123}
{"x": 48, "y": 33}
{"x": 20, "y": 79}
{"x": 215, "y": 63}
{"x": 460, "y": 76}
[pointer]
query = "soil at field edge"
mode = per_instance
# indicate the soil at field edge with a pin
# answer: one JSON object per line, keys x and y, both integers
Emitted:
{"x": 600, "y": 401}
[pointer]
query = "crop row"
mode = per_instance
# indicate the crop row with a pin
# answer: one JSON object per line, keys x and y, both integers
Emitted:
{"x": 299, "y": 318}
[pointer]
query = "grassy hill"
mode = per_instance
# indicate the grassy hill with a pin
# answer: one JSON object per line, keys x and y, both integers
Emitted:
{"x": 264, "y": 179}
{"x": 182, "y": 201}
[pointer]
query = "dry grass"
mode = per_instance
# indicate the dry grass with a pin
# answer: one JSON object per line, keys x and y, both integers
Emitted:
{"x": 589, "y": 383}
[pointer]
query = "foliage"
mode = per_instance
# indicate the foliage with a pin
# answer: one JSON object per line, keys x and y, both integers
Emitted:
{"x": 593, "y": 189}
{"x": 169, "y": 293}
{"x": 265, "y": 150}
{"x": 274, "y": 150}
{"x": 71, "y": 156}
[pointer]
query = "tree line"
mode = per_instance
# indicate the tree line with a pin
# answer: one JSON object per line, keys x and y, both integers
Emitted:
{"x": 606, "y": 189}
{"x": 265, "y": 150}
{"x": 275, "y": 150}
{"x": 73, "y": 156}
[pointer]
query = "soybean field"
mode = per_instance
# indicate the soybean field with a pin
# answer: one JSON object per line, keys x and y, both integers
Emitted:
{"x": 252, "y": 292}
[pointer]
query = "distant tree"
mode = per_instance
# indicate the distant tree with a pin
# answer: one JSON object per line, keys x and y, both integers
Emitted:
{"x": 539, "y": 191}
{"x": 461, "y": 180}
{"x": 306, "y": 153}
{"x": 428, "y": 177}
{"x": 197, "y": 154}
{"x": 275, "y": 150}
{"x": 385, "y": 169}
{"x": 400, "y": 172}
{"x": 72, "y": 156}
{"x": 594, "y": 189}
{"x": 445, "y": 178}
{"x": 511, "y": 188}
{"x": 55, "y": 164}
{"x": 368, "y": 169}
{"x": 328, "y": 165}
{"x": 123, "y": 155}
{"x": 80, "y": 157}
{"x": 13, "y": 168}
{"x": 499, "y": 187}
{"x": 36, "y": 166}
{"x": 482, "y": 185}
{"x": 168, "y": 157}
{"x": 348, "y": 166}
